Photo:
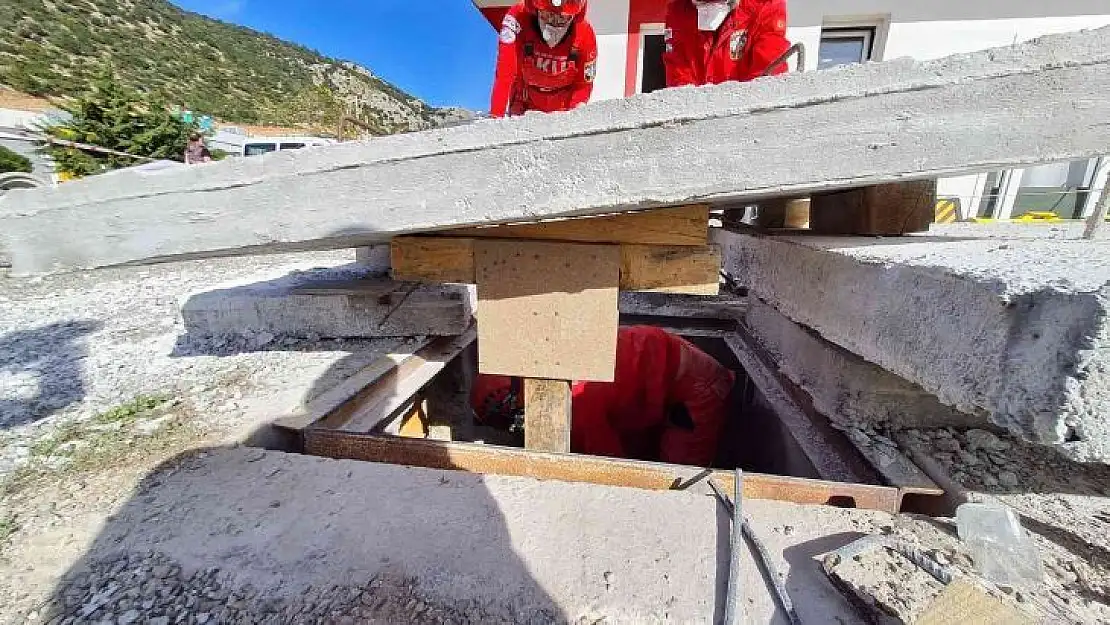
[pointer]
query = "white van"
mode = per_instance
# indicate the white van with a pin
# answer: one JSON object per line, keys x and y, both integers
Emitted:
{"x": 261, "y": 145}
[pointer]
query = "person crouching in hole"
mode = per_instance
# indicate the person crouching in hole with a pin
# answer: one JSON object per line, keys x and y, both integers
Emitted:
{"x": 668, "y": 402}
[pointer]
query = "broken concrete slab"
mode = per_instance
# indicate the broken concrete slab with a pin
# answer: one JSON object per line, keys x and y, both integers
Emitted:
{"x": 844, "y": 387}
{"x": 497, "y": 549}
{"x": 340, "y": 302}
{"x": 1017, "y": 328}
{"x": 792, "y": 135}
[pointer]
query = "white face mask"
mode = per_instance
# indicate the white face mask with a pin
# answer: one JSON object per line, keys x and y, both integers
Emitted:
{"x": 712, "y": 14}
{"x": 553, "y": 34}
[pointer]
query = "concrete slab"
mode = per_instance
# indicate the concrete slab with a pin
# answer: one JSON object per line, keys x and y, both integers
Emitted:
{"x": 860, "y": 125}
{"x": 493, "y": 549}
{"x": 1018, "y": 328}
{"x": 844, "y": 387}
{"x": 341, "y": 302}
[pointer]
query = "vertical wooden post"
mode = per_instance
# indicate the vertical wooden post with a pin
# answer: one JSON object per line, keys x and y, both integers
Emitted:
{"x": 547, "y": 415}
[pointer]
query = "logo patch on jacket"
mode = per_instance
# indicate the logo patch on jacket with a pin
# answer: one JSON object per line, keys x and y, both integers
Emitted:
{"x": 510, "y": 28}
{"x": 737, "y": 43}
{"x": 590, "y": 71}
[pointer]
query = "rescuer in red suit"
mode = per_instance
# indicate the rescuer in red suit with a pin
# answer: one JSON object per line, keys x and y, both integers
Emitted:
{"x": 546, "y": 60}
{"x": 710, "y": 42}
{"x": 667, "y": 402}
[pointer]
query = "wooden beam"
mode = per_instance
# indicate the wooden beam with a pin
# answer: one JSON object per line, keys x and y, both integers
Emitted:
{"x": 489, "y": 459}
{"x": 547, "y": 310}
{"x": 664, "y": 269}
{"x": 395, "y": 389}
{"x": 689, "y": 270}
{"x": 351, "y": 389}
{"x": 885, "y": 209}
{"x": 432, "y": 259}
{"x": 547, "y": 415}
{"x": 683, "y": 225}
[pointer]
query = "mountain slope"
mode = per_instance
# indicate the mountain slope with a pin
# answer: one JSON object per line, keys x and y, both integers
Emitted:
{"x": 52, "y": 47}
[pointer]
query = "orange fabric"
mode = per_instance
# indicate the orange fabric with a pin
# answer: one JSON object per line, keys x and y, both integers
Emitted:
{"x": 629, "y": 418}
{"x": 750, "y": 39}
{"x": 533, "y": 76}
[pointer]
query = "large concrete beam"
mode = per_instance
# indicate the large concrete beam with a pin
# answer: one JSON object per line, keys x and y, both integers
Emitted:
{"x": 1018, "y": 328}
{"x": 794, "y": 135}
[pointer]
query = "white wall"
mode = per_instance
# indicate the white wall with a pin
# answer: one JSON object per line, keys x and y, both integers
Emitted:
{"x": 610, "y": 22}
{"x": 938, "y": 28}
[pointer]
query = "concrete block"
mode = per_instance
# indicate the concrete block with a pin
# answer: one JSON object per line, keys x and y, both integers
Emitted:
{"x": 1019, "y": 328}
{"x": 331, "y": 303}
{"x": 793, "y": 135}
{"x": 844, "y": 387}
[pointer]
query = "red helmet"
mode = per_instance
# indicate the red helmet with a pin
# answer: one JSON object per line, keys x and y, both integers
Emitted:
{"x": 568, "y": 8}
{"x": 494, "y": 400}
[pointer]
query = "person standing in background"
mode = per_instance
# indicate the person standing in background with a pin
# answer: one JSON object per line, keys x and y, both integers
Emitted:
{"x": 713, "y": 41}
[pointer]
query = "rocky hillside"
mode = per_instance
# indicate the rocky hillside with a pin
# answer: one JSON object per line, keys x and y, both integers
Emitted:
{"x": 53, "y": 48}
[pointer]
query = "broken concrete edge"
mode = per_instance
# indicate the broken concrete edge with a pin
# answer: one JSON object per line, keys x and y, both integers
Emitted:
{"x": 669, "y": 106}
{"x": 567, "y": 174}
{"x": 350, "y": 301}
{"x": 1018, "y": 329}
{"x": 847, "y": 389}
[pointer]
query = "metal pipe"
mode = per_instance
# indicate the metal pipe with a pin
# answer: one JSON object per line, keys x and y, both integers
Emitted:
{"x": 732, "y": 599}
{"x": 798, "y": 48}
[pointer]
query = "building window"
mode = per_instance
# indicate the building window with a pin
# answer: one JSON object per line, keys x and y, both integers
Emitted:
{"x": 845, "y": 46}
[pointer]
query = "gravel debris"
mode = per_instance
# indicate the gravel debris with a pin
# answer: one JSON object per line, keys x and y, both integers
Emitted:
{"x": 212, "y": 596}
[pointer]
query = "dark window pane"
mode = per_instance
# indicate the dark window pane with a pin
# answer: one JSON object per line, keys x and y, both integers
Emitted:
{"x": 292, "y": 146}
{"x": 254, "y": 149}
{"x": 841, "y": 51}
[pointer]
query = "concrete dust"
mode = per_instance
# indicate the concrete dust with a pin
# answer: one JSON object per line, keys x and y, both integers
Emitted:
{"x": 890, "y": 583}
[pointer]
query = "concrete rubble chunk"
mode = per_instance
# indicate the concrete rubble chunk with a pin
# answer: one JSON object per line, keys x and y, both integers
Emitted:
{"x": 842, "y": 128}
{"x": 1017, "y": 328}
{"x": 328, "y": 303}
{"x": 843, "y": 386}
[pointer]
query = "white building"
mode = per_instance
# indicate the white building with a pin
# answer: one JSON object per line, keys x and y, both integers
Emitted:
{"x": 849, "y": 31}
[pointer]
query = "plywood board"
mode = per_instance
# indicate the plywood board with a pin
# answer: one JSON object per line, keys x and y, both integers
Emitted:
{"x": 683, "y": 225}
{"x": 547, "y": 310}
{"x": 547, "y": 415}
{"x": 664, "y": 269}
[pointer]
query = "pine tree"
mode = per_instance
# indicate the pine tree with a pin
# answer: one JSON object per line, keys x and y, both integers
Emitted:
{"x": 118, "y": 118}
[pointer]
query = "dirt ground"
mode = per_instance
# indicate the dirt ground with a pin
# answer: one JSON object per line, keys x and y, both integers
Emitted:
{"x": 115, "y": 435}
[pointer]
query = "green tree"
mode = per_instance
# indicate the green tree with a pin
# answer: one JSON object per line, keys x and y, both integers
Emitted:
{"x": 118, "y": 118}
{"x": 11, "y": 161}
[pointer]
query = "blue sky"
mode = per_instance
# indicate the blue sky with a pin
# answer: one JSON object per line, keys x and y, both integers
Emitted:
{"x": 441, "y": 51}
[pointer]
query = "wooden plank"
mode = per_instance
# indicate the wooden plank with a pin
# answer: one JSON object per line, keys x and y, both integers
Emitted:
{"x": 432, "y": 259}
{"x": 683, "y": 225}
{"x": 670, "y": 269}
{"x": 490, "y": 459}
{"x": 965, "y": 603}
{"x": 547, "y": 310}
{"x": 349, "y": 390}
{"x": 415, "y": 423}
{"x": 547, "y": 415}
{"x": 690, "y": 270}
{"x": 394, "y": 390}
{"x": 887, "y": 209}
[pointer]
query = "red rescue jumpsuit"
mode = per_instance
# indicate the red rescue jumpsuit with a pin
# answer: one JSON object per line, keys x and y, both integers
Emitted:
{"x": 668, "y": 402}
{"x": 533, "y": 76}
{"x": 743, "y": 46}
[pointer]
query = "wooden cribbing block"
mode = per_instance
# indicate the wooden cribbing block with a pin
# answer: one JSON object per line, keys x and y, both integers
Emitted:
{"x": 665, "y": 269}
{"x": 890, "y": 209}
{"x": 547, "y": 310}
{"x": 684, "y": 225}
{"x": 547, "y": 415}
